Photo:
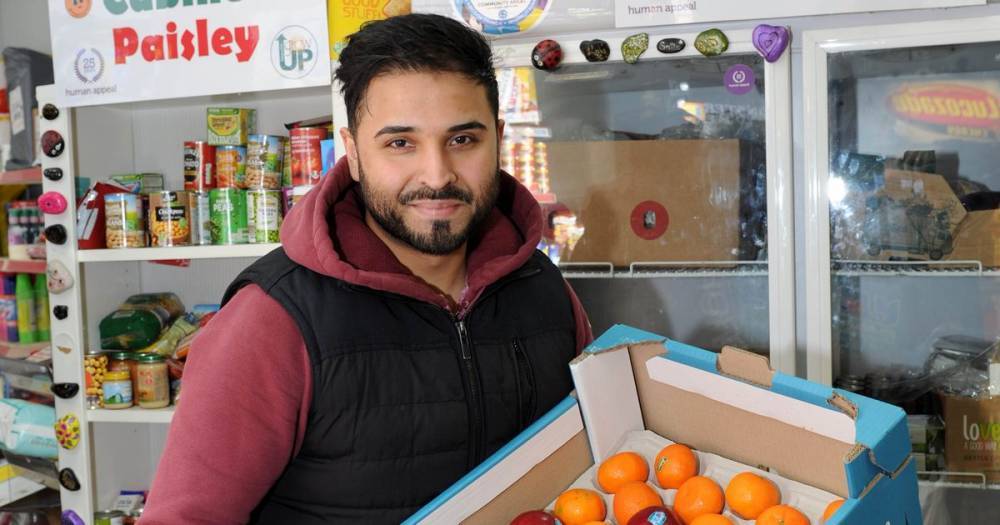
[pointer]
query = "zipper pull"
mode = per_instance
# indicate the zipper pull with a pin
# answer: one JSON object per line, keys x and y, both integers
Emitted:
{"x": 463, "y": 339}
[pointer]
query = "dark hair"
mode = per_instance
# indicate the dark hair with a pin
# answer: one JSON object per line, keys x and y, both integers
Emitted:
{"x": 413, "y": 43}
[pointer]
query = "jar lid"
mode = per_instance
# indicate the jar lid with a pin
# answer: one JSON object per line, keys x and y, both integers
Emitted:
{"x": 122, "y": 356}
{"x": 117, "y": 375}
{"x": 94, "y": 353}
{"x": 150, "y": 358}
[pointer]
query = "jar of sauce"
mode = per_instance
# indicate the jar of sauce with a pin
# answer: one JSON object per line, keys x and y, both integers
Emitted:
{"x": 154, "y": 384}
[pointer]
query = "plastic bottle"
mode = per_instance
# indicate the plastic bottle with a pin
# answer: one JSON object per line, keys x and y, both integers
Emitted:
{"x": 42, "y": 308}
{"x": 24, "y": 293}
{"x": 8, "y": 309}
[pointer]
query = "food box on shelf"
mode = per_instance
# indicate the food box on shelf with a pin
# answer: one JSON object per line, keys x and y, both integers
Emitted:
{"x": 637, "y": 390}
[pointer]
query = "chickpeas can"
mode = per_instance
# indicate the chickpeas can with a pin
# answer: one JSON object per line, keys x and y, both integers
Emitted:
{"x": 169, "y": 218}
{"x": 228, "y": 212}
{"x": 201, "y": 218}
{"x": 263, "y": 216}
{"x": 231, "y": 163}
{"x": 124, "y": 225}
{"x": 265, "y": 154}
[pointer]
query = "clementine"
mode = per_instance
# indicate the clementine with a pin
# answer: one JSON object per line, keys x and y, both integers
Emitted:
{"x": 831, "y": 509}
{"x": 674, "y": 465}
{"x": 578, "y": 506}
{"x": 620, "y": 469}
{"x": 782, "y": 515}
{"x": 749, "y": 494}
{"x": 633, "y": 497}
{"x": 698, "y": 496}
{"x": 711, "y": 519}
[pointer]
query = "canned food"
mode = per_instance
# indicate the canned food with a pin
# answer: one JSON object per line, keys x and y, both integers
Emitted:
{"x": 307, "y": 157}
{"x": 95, "y": 366}
{"x": 228, "y": 216}
{"x": 263, "y": 216}
{"x": 286, "y": 168}
{"x": 199, "y": 165}
{"x": 294, "y": 195}
{"x": 231, "y": 166}
{"x": 109, "y": 517}
{"x": 201, "y": 218}
{"x": 169, "y": 219}
{"x": 264, "y": 162}
{"x": 124, "y": 225}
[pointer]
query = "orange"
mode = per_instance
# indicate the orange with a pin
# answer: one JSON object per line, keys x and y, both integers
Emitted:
{"x": 711, "y": 519}
{"x": 831, "y": 509}
{"x": 698, "y": 496}
{"x": 633, "y": 497}
{"x": 620, "y": 469}
{"x": 578, "y": 506}
{"x": 782, "y": 515}
{"x": 674, "y": 465}
{"x": 596, "y": 523}
{"x": 749, "y": 494}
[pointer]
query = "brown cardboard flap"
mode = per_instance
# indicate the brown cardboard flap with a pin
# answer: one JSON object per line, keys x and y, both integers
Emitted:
{"x": 709, "y": 425}
{"x": 540, "y": 485}
{"x": 745, "y": 365}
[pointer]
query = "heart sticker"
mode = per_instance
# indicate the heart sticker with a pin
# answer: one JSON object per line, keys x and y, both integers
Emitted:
{"x": 770, "y": 41}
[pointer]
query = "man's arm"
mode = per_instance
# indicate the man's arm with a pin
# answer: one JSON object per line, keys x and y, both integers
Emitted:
{"x": 241, "y": 417}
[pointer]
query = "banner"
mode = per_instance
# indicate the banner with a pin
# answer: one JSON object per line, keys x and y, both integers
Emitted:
{"x": 107, "y": 51}
{"x": 635, "y": 13}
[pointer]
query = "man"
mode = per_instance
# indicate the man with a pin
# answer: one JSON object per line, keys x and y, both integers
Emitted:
{"x": 406, "y": 330}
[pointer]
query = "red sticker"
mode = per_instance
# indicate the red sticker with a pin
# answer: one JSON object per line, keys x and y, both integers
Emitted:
{"x": 650, "y": 220}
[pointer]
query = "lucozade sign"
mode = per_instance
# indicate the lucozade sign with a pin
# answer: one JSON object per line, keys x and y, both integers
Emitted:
{"x": 107, "y": 51}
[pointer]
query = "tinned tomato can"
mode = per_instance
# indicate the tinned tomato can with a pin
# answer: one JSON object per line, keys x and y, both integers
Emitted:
{"x": 199, "y": 165}
{"x": 230, "y": 169}
{"x": 169, "y": 220}
{"x": 307, "y": 156}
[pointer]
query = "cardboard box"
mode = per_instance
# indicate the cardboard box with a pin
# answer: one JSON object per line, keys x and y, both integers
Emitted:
{"x": 972, "y": 435}
{"x": 978, "y": 238}
{"x": 632, "y": 383}
{"x": 661, "y": 200}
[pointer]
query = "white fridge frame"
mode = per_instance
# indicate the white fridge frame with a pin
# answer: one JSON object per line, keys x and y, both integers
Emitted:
{"x": 816, "y": 48}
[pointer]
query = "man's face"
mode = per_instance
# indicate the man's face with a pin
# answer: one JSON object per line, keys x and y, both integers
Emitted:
{"x": 425, "y": 153}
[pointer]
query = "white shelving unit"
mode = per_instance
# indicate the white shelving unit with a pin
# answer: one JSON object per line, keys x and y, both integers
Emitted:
{"x": 179, "y": 252}
{"x": 132, "y": 415}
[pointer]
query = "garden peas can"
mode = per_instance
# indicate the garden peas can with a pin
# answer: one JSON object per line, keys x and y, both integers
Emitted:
{"x": 263, "y": 216}
{"x": 228, "y": 216}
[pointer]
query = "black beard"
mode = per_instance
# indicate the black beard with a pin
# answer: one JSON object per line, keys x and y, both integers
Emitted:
{"x": 441, "y": 240}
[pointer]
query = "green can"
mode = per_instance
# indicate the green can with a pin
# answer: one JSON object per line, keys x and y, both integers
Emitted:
{"x": 228, "y": 216}
{"x": 109, "y": 517}
{"x": 263, "y": 216}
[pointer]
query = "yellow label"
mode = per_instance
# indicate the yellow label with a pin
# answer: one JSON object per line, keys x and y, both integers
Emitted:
{"x": 346, "y": 16}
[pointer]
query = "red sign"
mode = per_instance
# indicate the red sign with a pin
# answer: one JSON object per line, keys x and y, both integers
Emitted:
{"x": 947, "y": 105}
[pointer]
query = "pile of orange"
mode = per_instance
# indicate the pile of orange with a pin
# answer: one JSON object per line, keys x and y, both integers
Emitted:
{"x": 699, "y": 500}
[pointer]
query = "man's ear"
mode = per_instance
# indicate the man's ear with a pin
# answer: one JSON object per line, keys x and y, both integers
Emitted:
{"x": 351, "y": 151}
{"x": 500, "y": 127}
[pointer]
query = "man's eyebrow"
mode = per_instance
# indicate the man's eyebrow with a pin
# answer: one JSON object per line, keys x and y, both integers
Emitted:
{"x": 472, "y": 124}
{"x": 389, "y": 130}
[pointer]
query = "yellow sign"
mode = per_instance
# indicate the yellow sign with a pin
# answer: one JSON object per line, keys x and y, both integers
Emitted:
{"x": 347, "y": 16}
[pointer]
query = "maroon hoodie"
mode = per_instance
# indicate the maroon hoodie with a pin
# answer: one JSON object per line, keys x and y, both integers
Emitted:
{"x": 247, "y": 382}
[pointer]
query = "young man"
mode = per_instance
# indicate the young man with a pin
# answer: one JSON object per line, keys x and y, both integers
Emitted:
{"x": 406, "y": 330}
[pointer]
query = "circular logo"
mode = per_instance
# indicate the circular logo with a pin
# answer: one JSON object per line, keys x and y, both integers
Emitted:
{"x": 293, "y": 52}
{"x": 78, "y": 8}
{"x": 499, "y": 17}
{"x": 649, "y": 220}
{"x": 88, "y": 65}
{"x": 739, "y": 79}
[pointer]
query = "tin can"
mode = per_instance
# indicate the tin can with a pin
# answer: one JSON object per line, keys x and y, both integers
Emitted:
{"x": 294, "y": 195}
{"x": 307, "y": 157}
{"x": 199, "y": 165}
{"x": 286, "y": 168}
{"x": 264, "y": 162}
{"x": 263, "y": 216}
{"x": 124, "y": 224}
{"x": 201, "y": 218}
{"x": 228, "y": 213}
{"x": 169, "y": 218}
{"x": 109, "y": 517}
{"x": 231, "y": 163}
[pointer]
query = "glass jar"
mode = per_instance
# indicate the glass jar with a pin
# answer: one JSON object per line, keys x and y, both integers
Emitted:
{"x": 154, "y": 384}
{"x": 125, "y": 361}
{"x": 117, "y": 389}
{"x": 95, "y": 365}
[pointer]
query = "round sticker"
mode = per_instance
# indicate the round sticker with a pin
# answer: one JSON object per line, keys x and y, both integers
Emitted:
{"x": 78, "y": 8}
{"x": 649, "y": 220}
{"x": 739, "y": 79}
{"x": 500, "y": 17}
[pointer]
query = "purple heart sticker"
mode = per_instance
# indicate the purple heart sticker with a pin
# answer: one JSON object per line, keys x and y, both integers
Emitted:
{"x": 770, "y": 41}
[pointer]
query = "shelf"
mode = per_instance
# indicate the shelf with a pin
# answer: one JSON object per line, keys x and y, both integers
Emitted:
{"x": 131, "y": 415}
{"x": 25, "y": 176}
{"x": 22, "y": 266}
{"x": 22, "y": 351}
{"x": 648, "y": 270}
{"x": 180, "y": 252}
{"x": 847, "y": 268}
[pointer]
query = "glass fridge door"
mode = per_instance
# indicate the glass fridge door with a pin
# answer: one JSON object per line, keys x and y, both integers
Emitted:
{"x": 664, "y": 183}
{"x": 903, "y": 290}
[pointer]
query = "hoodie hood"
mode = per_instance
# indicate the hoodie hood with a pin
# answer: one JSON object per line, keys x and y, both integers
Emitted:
{"x": 326, "y": 232}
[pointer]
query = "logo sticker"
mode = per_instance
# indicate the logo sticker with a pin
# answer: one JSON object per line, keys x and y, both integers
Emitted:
{"x": 499, "y": 17}
{"x": 78, "y": 8}
{"x": 293, "y": 52}
{"x": 89, "y": 65}
{"x": 739, "y": 79}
